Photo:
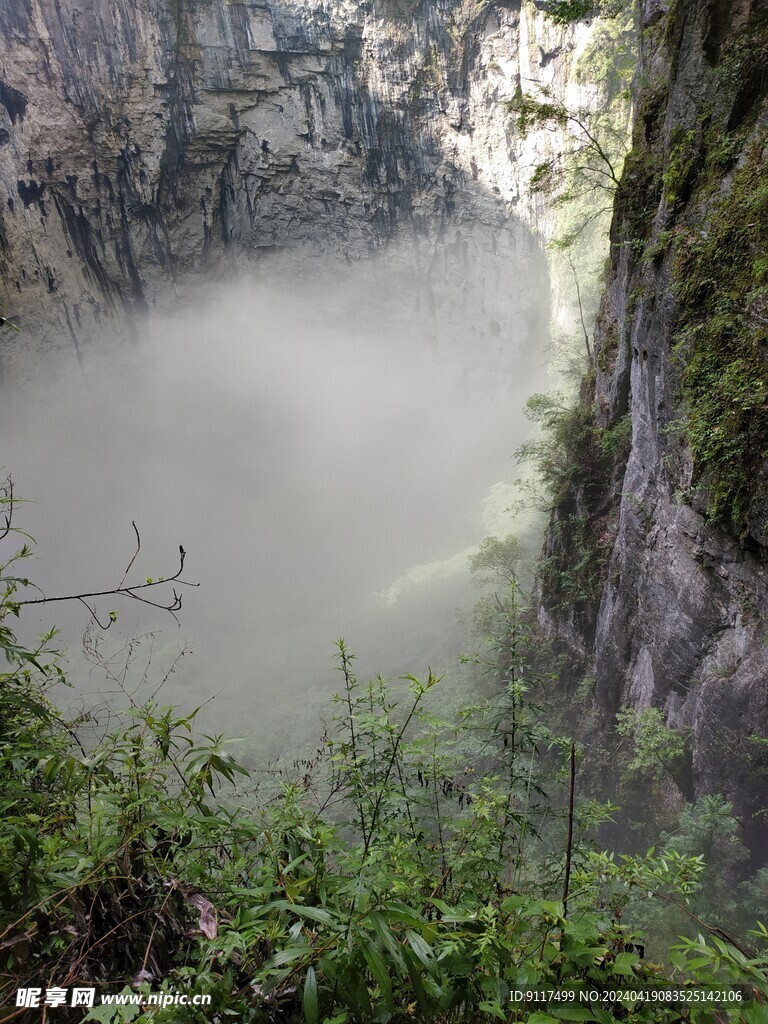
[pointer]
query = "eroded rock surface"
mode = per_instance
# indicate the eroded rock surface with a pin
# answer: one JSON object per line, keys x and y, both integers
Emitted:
{"x": 681, "y": 620}
{"x": 144, "y": 141}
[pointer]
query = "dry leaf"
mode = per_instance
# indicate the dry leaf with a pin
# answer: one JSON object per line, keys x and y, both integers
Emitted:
{"x": 207, "y": 923}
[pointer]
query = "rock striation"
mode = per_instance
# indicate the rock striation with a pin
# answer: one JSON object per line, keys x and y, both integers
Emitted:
{"x": 680, "y": 619}
{"x": 143, "y": 142}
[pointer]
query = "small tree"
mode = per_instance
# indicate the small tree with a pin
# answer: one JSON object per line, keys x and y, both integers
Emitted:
{"x": 563, "y": 12}
{"x": 590, "y": 166}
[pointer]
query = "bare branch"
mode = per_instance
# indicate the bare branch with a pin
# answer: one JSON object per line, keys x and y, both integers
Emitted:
{"x": 135, "y": 554}
{"x": 134, "y": 591}
{"x": 569, "y": 843}
{"x": 595, "y": 143}
{"x": 569, "y": 261}
{"x": 94, "y": 616}
{"x": 7, "y": 500}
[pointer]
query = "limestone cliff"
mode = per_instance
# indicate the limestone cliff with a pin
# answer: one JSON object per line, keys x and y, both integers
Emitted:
{"x": 679, "y": 618}
{"x": 142, "y": 142}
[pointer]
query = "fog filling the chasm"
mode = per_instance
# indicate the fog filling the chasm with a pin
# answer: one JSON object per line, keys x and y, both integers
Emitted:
{"x": 309, "y": 440}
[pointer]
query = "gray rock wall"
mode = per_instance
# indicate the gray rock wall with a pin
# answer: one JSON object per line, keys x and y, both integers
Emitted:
{"x": 682, "y": 622}
{"x": 144, "y": 141}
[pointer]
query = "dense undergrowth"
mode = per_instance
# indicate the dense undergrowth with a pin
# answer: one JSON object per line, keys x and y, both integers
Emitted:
{"x": 415, "y": 869}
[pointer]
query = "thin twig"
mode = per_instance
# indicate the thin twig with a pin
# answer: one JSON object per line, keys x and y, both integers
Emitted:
{"x": 135, "y": 554}
{"x": 154, "y": 926}
{"x": 569, "y": 845}
{"x": 8, "y": 516}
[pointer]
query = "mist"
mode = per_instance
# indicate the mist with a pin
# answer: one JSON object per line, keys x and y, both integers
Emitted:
{"x": 327, "y": 441}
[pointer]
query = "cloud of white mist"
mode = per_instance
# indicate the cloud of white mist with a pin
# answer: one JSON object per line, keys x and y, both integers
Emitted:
{"x": 310, "y": 442}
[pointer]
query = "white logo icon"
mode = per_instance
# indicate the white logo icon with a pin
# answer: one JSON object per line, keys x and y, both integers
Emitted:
{"x": 82, "y": 996}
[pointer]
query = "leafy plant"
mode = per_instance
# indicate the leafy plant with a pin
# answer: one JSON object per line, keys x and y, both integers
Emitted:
{"x": 655, "y": 746}
{"x": 563, "y": 12}
{"x": 418, "y": 868}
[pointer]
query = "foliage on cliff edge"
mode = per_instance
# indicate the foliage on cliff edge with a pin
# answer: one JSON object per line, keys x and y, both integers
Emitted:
{"x": 413, "y": 869}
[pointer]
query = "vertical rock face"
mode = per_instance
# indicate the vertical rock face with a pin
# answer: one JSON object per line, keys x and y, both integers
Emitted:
{"x": 682, "y": 620}
{"x": 142, "y": 141}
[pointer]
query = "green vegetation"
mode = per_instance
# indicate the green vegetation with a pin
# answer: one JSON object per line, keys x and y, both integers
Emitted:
{"x": 610, "y": 56}
{"x": 681, "y": 163}
{"x": 571, "y": 458}
{"x": 721, "y": 277}
{"x": 655, "y": 747}
{"x": 695, "y": 196}
{"x": 565, "y": 452}
{"x": 590, "y": 168}
{"x": 694, "y": 201}
{"x": 580, "y": 181}
{"x": 420, "y": 866}
{"x": 415, "y": 869}
{"x": 563, "y": 12}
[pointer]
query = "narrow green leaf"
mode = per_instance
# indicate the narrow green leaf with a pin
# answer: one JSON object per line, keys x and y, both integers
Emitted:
{"x": 310, "y": 913}
{"x": 311, "y": 1010}
{"x": 378, "y": 970}
{"x": 414, "y": 974}
{"x": 422, "y": 949}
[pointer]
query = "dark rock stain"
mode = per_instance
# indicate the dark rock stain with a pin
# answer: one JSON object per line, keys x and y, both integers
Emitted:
{"x": 15, "y": 102}
{"x": 31, "y": 191}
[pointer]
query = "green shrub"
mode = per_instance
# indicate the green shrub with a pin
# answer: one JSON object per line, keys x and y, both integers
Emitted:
{"x": 573, "y": 459}
{"x": 415, "y": 869}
